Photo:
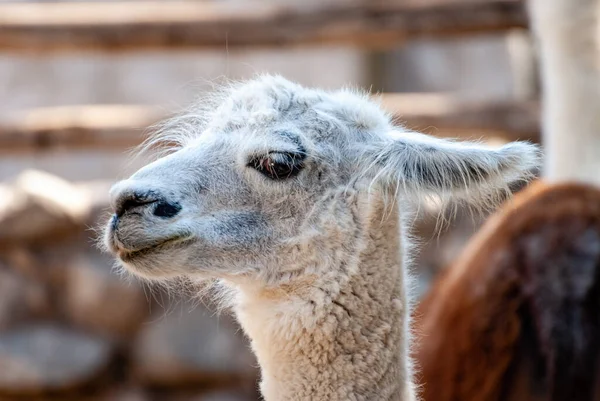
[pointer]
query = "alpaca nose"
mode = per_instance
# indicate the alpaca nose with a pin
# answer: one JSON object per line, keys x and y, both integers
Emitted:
{"x": 127, "y": 200}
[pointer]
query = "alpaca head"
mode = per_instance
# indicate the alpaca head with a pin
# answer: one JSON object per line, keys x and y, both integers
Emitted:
{"x": 247, "y": 173}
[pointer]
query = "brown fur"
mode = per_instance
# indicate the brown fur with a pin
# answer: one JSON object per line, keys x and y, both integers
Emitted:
{"x": 517, "y": 316}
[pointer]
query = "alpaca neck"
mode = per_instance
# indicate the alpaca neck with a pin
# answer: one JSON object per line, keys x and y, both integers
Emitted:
{"x": 340, "y": 334}
{"x": 569, "y": 37}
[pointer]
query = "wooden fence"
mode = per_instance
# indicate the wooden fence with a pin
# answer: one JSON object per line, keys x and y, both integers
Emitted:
{"x": 47, "y": 28}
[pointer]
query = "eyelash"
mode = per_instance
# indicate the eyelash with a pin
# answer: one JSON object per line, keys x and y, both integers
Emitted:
{"x": 278, "y": 165}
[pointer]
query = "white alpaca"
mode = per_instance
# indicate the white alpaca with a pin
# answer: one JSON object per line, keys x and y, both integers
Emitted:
{"x": 296, "y": 200}
{"x": 568, "y": 32}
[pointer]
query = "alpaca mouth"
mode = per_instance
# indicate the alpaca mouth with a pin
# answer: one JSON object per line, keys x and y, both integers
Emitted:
{"x": 127, "y": 255}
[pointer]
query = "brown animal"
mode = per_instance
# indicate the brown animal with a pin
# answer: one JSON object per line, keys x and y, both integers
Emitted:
{"x": 517, "y": 317}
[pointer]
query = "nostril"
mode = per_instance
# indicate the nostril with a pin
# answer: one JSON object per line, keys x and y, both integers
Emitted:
{"x": 165, "y": 209}
{"x": 131, "y": 203}
{"x": 152, "y": 201}
{"x": 128, "y": 201}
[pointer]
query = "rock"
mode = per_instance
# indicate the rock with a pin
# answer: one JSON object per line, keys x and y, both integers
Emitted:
{"x": 224, "y": 396}
{"x": 20, "y": 298}
{"x": 21, "y": 260}
{"x": 38, "y": 206}
{"x": 98, "y": 193}
{"x": 96, "y": 298}
{"x": 50, "y": 358}
{"x": 128, "y": 394}
{"x": 192, "y": 347}
{"x": 217, "y": 395}
{"x": 119, "y": 394}
{"x": 185, "y": 394}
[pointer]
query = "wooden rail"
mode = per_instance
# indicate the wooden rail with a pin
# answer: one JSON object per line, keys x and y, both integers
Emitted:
{"x": 120, "y": 26}
{"x": 77, "y": 127}
{"x": 446, "y": 116}
{"x": 121, "y": 127}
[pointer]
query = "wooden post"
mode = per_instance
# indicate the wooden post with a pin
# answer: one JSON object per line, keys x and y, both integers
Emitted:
{"x": 568, "y": 35}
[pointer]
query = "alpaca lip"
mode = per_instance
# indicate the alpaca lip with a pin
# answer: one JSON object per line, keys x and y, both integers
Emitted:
{"x": 127, "y": 255}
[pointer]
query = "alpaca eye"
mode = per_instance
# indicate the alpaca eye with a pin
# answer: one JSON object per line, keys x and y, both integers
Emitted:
{"x": 278, "y": 166}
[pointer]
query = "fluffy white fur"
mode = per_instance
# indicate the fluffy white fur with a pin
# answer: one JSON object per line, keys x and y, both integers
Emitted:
{"x": 316, "y": 263}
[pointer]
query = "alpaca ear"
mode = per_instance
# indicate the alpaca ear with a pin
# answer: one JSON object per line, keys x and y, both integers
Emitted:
{"x": 420, "y": 163}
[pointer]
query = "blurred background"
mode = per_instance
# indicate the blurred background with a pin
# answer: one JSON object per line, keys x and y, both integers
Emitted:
{"x": 81, "y": 81}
